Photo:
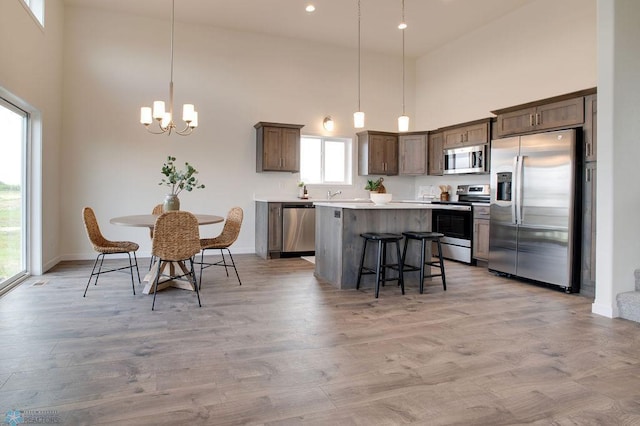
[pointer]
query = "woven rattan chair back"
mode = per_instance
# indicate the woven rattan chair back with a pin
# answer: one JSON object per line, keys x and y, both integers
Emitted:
{"x": 93, "y": 230}
{"x": 231, "y": 228}
{"x": 176, "y": 236}
{"x": 228, "y": 236}
{"x": 104, "y": 246}
{"x": 157, "y": 210}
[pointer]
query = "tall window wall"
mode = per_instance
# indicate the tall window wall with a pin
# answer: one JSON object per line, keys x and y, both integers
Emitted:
{"x": 13, "y": 196}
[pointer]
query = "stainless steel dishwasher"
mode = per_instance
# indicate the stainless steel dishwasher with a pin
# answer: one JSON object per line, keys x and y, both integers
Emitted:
{"x": 298, "y": 228}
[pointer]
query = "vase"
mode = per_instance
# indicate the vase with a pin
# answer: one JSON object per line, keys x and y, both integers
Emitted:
{"x": 171, "y": 203}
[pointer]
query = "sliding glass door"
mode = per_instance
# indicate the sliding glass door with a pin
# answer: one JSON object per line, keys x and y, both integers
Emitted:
{"x": 13, "y": 207}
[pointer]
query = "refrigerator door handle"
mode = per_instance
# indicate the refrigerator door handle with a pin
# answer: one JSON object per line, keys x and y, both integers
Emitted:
{"x": 514, "y": 199}
{"x": 519, "y": 189}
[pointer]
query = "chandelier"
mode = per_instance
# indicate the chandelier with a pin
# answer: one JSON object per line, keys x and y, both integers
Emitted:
{"x": 165, "y": 118}
{"x": 403, "y": 120}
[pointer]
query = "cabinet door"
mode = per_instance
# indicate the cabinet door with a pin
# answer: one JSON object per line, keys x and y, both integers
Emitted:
{"x": 467, "y": 135}
{"x": 588, "y": 270}
{"x": 590, "y": 128}
{"x": 516, "y": 122}
{"x": 477, "y": 134}
{"x": 377, "y": 154}
{"x": 275, "y": 227}
{"x": 290, "y": 150}
{"x": 481, "y": 239}
{"x": 412, "y": 154}
{"x": 271, "y": 148}
{"x": 560, "y": 114}
{"x": 436, "y": 145}
{"x": 454, "y": 138}
{"x": 391, "y": 155}
{"x": 383, "y": 154}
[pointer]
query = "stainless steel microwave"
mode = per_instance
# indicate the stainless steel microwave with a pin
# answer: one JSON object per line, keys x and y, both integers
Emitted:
{"x": 468, "y": 159}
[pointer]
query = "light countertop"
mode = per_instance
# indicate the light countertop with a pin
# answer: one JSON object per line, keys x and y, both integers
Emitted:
{"x": 402, "y": 205}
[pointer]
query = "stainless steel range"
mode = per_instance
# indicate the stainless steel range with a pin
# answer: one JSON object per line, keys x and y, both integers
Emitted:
{"x": 457, "y": 224}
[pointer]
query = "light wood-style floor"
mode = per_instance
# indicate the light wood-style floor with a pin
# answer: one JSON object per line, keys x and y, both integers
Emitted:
{"x": 286, "y": 349}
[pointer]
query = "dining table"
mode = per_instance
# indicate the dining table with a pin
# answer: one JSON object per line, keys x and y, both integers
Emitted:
{"x": 173, "y": 279}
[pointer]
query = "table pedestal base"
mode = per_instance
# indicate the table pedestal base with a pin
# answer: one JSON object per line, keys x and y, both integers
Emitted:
{"x": 169, "y": 280}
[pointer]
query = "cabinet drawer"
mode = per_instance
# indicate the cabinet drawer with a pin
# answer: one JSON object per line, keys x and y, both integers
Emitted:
{"x": 481, "y": 212}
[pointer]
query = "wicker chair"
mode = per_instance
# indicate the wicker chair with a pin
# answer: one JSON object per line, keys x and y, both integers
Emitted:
{"x": 176, "y": 238}
{"x": 223, "y": 241}
{"x": 157, "y": 210}
{"x": 104, "y": 247}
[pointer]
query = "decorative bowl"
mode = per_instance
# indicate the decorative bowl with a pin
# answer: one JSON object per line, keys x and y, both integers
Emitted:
{"x": 380, "y": 199}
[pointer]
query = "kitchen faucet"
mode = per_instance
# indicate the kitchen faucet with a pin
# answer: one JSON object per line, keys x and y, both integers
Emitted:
{"x": 330, "y": 194}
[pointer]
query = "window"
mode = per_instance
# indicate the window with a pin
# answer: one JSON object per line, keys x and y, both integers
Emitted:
{"x": 36, "y": 7}
{"x": 325, "y": 160}
{"x": 13, "y": 137}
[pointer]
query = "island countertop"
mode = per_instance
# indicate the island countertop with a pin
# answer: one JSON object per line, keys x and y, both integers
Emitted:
{"x": 399, "y": 205}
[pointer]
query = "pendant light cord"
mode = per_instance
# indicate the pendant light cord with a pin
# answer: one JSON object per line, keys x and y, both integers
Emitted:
{"x": 359, "y": 60}
{"x": 403, "y": 71}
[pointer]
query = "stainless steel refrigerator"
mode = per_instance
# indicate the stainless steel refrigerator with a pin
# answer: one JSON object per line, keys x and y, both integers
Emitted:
{"x": 532, "y": 207}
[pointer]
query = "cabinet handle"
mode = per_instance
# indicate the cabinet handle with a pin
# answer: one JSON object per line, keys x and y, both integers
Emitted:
{"x": 538, "y": 119}
{"x": 588, "y": 176}
{"x": 530, "y": 120}
{"x": 588, "y": 149}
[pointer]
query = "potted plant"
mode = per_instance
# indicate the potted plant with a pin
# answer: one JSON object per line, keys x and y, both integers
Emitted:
{"x": 376, "y": 186}
{"x": 378, "y": 193}
{"x": 177, "y": 181}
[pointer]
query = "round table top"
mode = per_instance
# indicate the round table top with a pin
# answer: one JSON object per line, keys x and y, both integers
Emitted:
{"x": 149, "y": 220}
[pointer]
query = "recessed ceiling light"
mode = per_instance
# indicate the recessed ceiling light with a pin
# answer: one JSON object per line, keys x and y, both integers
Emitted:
{"x": 402, "y": 25}
{"x": 310, "y": 8}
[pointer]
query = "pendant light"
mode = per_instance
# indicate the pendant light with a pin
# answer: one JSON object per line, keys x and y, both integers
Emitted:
{"x": 165, "y": 119}
{"x": 403, "y": 120}
{"x": 358, "y": 116}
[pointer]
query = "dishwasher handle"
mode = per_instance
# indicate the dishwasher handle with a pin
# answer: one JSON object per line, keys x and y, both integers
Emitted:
{"x": 298, "y": 206}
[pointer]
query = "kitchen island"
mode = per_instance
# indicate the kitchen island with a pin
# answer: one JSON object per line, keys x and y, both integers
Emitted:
{"x": 338, "y": 241}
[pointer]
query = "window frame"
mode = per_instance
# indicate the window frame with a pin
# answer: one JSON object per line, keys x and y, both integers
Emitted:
{"x": 36, "y": 10}
{"x": 348, "y": 159}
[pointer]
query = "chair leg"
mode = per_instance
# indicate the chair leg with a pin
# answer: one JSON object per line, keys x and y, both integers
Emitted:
{"x": 233, "y": 263}
{"x": 99, "y": 268}
{"x": 423, "y": 245}
{"x": 155, "y": 284}
{"x": 378, "y": 266}
{"x": 133, "y": 284}
{"x": 91, "y": 276}
{"x": 400, "y": 274}
{"x": 383, "y": 272}
{"x": 364, "y": 250}
{"x": 195, "y": 280}
{"x": 137, "y": 270}
{"x": 224, "y": 262}
{"x": 201, "y": 264}
{"x": 444, "y": 280}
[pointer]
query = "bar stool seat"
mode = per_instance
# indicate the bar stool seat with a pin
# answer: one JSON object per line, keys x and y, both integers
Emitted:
{"x": 424, "y": 237}
{"x": 381, "y": 239}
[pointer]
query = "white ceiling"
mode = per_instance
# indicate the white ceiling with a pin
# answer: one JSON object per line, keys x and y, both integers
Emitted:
{"x": 432, "y": 23}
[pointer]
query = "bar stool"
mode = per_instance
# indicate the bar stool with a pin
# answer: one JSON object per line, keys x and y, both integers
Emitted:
{"x": 424, "y": 237}
{"x": 382, "y": 239}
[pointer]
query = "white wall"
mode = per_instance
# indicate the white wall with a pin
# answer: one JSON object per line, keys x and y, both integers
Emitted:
{"x": 31, "y": 71}
{"x": 114, "y": 64}
{"x": 618, "y": 228}
{"x": 543, "y": 49}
